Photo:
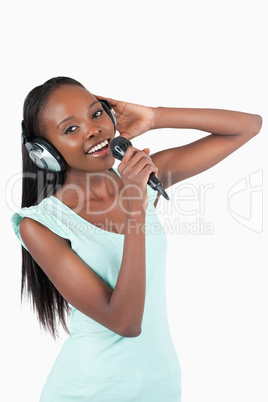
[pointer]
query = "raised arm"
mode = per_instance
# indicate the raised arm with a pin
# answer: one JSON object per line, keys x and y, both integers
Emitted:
{"x": 229, "y": 131}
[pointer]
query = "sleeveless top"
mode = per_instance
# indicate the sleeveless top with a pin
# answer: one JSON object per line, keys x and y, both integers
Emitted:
{"x": 95, "y": 363}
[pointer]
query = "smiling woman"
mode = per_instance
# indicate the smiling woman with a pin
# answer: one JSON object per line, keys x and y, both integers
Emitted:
{"x": 113, "y": 281}
{"x": 75, "y": 122}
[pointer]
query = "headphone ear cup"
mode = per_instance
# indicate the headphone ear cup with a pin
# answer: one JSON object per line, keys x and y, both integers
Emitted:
{"x": 45, "y": 155}
{"x": 109, "y": 110}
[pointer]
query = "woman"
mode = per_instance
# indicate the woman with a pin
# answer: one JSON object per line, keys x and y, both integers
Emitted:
{"x": 89, "y": 236}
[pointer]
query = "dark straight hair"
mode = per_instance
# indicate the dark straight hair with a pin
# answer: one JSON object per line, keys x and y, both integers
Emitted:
{"x": 37, "y": 184}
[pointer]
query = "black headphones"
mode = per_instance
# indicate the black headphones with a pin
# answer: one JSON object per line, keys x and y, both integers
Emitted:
{"x": 44, "y": 154}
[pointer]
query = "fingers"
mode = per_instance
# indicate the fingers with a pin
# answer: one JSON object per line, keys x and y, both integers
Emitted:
{"x": 147, "y": 150}
{"x": 135, "y": 161}
{"x": 130, "y": 155}
{"x": 112, "y": 102}
{"x": 135, "y": 169}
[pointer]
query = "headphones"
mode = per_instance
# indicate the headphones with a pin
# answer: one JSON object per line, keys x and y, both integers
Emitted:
{"x": 44, "y": 154}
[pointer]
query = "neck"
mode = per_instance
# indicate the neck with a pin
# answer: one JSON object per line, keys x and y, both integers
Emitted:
{"x": 90, "y": 185}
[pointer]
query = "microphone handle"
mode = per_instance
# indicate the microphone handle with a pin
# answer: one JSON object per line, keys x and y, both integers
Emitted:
{"x": 156, "y": 185}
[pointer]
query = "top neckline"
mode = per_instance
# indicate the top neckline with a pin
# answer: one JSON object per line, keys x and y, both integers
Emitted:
{"x": 84, "y": 220}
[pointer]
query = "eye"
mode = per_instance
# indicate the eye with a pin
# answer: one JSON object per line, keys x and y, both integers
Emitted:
{"x": 70, "y": 129}
{"x": 98, "y": 113}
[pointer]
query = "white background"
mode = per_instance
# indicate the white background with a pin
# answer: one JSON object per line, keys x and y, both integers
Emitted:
{"x": 203, "y": 54}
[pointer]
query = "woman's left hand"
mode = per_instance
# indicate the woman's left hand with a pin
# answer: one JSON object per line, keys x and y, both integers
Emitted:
{"x": 132, "y": 120}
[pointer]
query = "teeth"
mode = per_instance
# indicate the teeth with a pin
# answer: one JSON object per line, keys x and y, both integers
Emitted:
{"x": 97, "y": 147}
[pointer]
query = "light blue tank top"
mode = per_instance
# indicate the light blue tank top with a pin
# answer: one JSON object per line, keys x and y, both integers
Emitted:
{"x": 95, "y": 363}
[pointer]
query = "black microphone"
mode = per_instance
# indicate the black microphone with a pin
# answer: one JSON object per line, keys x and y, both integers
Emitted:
{"x": 118, "y": 147}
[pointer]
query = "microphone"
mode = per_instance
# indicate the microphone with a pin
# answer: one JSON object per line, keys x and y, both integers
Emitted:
{"x": 118, "y": 148}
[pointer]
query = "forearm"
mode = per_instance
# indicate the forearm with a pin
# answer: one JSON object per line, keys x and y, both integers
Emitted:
{"x": 128, "y": 297}
{"x": 215, "y": 121}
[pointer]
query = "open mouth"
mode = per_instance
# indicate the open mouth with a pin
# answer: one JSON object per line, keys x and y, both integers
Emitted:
{"x": 100, "y": 149}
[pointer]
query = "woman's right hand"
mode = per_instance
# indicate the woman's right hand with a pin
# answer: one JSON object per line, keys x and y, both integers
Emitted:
{"x": 135, "y": 169}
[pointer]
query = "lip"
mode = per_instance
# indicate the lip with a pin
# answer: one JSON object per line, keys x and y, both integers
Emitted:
{"x": 98, "y": 142}
{"x": 101, "y": 153}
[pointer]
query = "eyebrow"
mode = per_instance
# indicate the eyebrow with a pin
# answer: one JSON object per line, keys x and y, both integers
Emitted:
{"x": 71, "y": 117}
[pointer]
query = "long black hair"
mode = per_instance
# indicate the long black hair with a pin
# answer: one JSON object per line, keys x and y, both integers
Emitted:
{"x": 38, "y": 184}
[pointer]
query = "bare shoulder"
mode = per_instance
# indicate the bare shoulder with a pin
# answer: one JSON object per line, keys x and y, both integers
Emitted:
{"x": 32, "y": 231}
{"x": 45, "y": 246}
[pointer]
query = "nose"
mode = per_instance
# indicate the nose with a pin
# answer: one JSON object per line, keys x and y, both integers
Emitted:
{"x": 92, "y": 132}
